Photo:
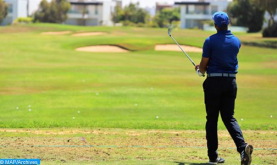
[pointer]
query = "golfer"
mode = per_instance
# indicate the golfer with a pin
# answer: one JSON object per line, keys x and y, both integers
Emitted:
{"x": 219, "y": 60}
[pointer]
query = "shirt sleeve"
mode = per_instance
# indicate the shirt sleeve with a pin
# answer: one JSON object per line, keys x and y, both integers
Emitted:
{"x": 207, "y": 48}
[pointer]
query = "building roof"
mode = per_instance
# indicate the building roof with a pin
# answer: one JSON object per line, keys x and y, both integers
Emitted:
{"x": 163, "y": 4}
{"x": 160, "y": 6}
{"x": 192, "y": 3}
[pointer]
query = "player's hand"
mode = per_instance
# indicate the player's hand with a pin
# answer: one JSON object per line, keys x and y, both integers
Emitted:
{"x": 196, "y": 67}
{"x": 200, "y": 74}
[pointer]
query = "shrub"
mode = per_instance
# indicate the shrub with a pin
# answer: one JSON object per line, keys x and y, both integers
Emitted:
{"x": 127, "y": 23}
{"x": 152, "y": 24}
{"x": 23, "y": 20}
{"x": 270, "y": 31}
{"x": 176, "y": 23}
{"x": 140, "y": 24}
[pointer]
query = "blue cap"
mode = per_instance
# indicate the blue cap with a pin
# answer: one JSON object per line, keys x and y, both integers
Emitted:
{"x": 220, "y": 18}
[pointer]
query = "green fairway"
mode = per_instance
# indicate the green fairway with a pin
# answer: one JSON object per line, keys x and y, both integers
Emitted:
{"x": 45, "y": 83}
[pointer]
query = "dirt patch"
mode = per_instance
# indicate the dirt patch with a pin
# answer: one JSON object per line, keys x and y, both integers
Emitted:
{"x": 88, "y": 34}
{"x": 174, "y": 47}
{"x": 102, "y": 48}
{"x": 56, "y": 33}
{"x": 101, "y": 145}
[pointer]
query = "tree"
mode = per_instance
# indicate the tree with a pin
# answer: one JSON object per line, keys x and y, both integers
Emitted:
{"x": 53, "y": 12}
{"x": 166, "y": 16}
{"x": 131, "y": 13}
{"x": 271, "y": 7}
{"x": 43, "y": 12}
{"x": 117, "y": 14}
{"x": 3, "y": 10}
{"x": 245, "y": 13}
{"x": 62, "y": 7}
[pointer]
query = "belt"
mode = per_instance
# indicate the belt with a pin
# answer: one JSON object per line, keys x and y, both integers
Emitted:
{"x": 221, "y": 75}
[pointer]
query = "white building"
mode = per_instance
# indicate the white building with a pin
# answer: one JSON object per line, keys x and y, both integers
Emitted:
{"x": 92, "y": 12}
{"x": 194, "y": 13}
{"x": 82, "y": 12}
{"x": 19, "y": 8}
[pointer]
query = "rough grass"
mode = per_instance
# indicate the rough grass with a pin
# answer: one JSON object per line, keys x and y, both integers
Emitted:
{"x": 124, "y": 146}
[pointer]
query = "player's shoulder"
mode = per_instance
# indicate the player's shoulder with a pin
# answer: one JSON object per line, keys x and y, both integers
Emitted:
{"x": 212, "y": 36}
{"x": 210, "y": 39}
{"x": 235, "y": 38}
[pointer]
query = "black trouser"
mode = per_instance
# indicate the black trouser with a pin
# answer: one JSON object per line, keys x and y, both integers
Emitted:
{"x": 220, "y": 95}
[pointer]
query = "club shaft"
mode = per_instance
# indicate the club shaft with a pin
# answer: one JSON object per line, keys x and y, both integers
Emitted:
{"x": 183, "y": 51}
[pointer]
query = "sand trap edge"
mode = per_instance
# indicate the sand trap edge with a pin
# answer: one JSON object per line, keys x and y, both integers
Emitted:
{"x": 56, "y": 32}
{"x": 174, "y": 47}
{"x": 103, "y": 49}
{"x": 85, "y": 34}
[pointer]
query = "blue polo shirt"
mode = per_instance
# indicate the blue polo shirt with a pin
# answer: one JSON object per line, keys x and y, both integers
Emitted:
{"x": 222, "y": 49}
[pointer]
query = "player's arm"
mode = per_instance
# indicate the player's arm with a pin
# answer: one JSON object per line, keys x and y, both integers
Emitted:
{"x": 205, "y": 57}
{"x": 202, "y": 67}
{"x": 204, "y": 64}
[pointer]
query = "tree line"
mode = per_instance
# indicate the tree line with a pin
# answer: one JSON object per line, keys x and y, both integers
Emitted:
{"x": 250, "y": 14}
{"x": 246, "y": 13}
{"x": 52, "y": 12}
{"x": 136, "y": 16}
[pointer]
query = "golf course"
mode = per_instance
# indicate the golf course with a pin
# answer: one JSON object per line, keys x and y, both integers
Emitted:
{"x": 137, "y": 105}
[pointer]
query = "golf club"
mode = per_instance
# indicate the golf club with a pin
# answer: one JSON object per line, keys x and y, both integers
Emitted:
{"x": 169, "y": 33}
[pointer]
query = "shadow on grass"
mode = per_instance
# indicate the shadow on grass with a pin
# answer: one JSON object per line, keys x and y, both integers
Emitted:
{"x": 188, "y": 163}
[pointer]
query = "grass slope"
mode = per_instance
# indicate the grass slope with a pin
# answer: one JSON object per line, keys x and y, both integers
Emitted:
{"x": 140, "y": 89}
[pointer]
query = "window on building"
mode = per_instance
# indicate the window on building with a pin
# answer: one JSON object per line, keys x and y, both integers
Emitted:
{"x": 190, "y": 23}
{"x": 200, "y": 9}
{"x": 96, "y": 10}
{"x": 214, "y": 9}
{"x": 190, "y": 9}
{"x": 77, "y": 9}
{"x": 10, "y": 8}
{"x": 196, "y": 9}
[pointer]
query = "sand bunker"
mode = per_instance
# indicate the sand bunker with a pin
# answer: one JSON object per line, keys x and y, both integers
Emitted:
{"x": 102, "y": 48}
{"x": 89, "y": 34}
{"x": 174, "y": 47}
{"x": 56, "y": 33}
